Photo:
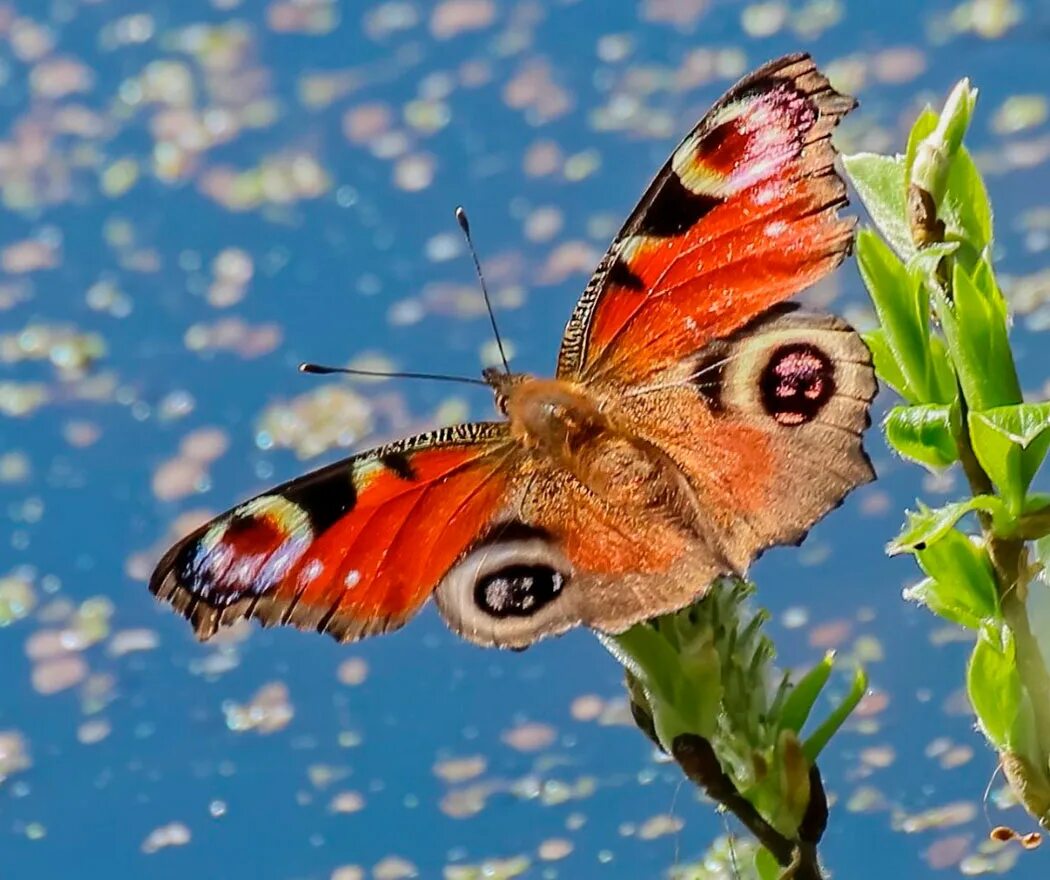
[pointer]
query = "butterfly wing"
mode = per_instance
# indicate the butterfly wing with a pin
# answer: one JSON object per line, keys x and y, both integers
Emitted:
{"x": 741, "y": 217}
{"x": 561, "y": 555}
{"x": 512, "y": 546}
{"x": 685, "y": 338}
{"x": 352, "y": 549}
{"x": 737, "y": 424}
{"x": 739, "y": 447}
{"x": 766, "y": 425}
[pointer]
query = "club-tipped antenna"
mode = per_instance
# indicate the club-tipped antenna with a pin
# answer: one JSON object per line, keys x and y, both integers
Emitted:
{"x": 464, "y": 224}
{"x": 320, "y": 370}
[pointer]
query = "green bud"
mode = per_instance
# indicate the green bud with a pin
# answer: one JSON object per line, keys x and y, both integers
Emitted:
{"x": 934, "y": 154}
{"x": 932, "y": 164}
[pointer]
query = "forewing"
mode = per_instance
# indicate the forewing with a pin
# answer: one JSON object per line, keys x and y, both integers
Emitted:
{"x": 742, "y": 216}
{"x": 352, "y": 549}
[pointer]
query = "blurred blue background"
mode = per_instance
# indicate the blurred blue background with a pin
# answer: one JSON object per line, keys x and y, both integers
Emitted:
{"x": 197, "y": 196}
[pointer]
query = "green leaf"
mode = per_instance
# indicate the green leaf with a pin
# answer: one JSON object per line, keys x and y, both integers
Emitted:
{"x": 881, "y": 185}
{"x": 815, "y": 743}
{"x": 964, "y": 580}
{"x": 927, "y": 260}
{"x": 974, "y": 324}
{"x": 1026, "y": 424}
{"x": 1034, "y": 522}
{"x": 925, "y": 269}
{"x": 1041, "y": 548}
{"x": 966, "y": 209}
{"x": 902, "y": 308}
{"x": 649, "y": 657}
{"x": 942, "y": 373}
{"x": 799, "y": 702}
{"x": 993, "y": 684}
{"x": 925, "y": 527}
{"x": 886, "y": 366}
{"x": 1000, "y": 457}
{"x": 923, "y": 434}
{"x": 682, "y": 680}
{"x": 766, "y": 865}
{"x": 1011, "y": 442}
{"x": 942, "y": 599}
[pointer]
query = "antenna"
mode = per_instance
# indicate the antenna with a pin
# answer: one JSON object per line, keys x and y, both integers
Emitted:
{"x": 319, "y": 370}
{"x": 464, "y": 224}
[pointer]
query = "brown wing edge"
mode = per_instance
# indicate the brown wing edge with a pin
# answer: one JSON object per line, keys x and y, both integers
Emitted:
{"x": 819, "y": 154}
{"x": 207, "y": 618}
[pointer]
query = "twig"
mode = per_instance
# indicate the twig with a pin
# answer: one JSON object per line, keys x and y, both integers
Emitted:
{"x": 815, "y": 820}
{"x": 700, "y": 764}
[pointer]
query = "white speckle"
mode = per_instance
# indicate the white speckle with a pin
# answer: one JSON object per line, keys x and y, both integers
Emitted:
{"x": 313, "y": 570}
{"x": 775, "y": 228}
{"x": 765, "y": 195}
{"x": 352, "y": 579}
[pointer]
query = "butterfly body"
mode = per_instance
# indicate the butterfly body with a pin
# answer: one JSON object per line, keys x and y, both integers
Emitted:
{"x": 561, "y": 426}
{"x": 550, "y": 416}
{"x": 696, "y": 418}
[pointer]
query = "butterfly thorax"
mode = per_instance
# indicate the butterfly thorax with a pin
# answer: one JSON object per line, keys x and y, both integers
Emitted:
{"x": 551, "y": 416}
{"x": 562, "y": 424}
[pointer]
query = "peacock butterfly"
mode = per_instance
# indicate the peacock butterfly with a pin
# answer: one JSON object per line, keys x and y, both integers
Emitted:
{"x": 695, "y": 419}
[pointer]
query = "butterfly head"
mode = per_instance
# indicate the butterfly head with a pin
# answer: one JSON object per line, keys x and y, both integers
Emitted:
{"x": 502, "y": 384}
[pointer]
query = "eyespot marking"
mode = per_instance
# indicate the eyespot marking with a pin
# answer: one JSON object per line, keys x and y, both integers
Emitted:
{"x": 708, "y": 378}
{"x": 511, "y": 530}
{"x": 246, "y": 554}
{"x": 796, "y": 383}
{"x": 746, "y": 141}
{"x": 518, "y": 590}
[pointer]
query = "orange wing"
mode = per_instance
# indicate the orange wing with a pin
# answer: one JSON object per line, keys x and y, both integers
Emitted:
{"x": 743, "y": 216}
{"x": 352, "y": 549}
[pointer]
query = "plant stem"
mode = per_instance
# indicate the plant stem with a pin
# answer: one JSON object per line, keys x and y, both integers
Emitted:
{"x": 1033, "y": 526}
{"x": 700, "y": 764}
{"x": 1030, "y": 661}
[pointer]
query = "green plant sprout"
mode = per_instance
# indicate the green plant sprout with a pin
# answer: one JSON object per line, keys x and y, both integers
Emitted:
{"x": 703, "y": 686}
{"x": 942, "y": 344}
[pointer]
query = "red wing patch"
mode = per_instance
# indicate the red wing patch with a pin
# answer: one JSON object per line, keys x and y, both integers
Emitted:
{"x": 353, "y": 549}
{"x": 743, "y": 216}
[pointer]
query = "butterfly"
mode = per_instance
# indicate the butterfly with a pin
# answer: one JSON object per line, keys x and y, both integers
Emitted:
{"x": 696, "y": 418}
